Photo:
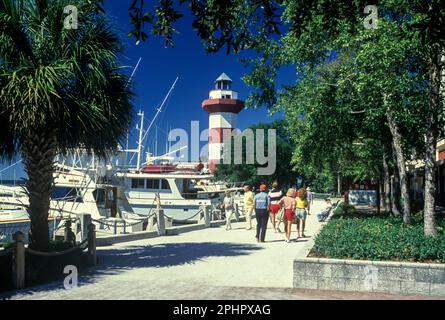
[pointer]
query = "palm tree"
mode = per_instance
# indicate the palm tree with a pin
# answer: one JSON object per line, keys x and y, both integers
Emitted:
{"x": 60, "y": 88}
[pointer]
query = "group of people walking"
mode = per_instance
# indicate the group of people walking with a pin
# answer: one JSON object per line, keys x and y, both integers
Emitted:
{"x": 280, "y": 208}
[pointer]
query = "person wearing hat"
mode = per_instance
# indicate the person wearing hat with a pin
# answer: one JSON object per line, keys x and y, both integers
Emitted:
{"x": 261, "y": 203}
{"x": 248, "y": 206}
{"x": 310, "y": 199}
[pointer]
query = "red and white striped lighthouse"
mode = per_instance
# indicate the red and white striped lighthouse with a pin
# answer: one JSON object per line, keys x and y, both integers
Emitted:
{"x": 223, "y": 107}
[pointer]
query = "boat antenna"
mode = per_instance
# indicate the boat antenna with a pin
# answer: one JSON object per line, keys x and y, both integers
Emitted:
{"x": 134, "y": 71}
{"x": 126, "y": 85}
{"x": 165, "y": 154}
{"x": 12, "y": 165}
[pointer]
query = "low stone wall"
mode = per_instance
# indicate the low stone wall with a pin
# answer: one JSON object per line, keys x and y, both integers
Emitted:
{"x": 371, "y": 276}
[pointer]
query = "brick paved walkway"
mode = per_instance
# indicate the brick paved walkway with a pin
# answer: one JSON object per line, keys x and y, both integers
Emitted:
{"x": 205, "y": 264}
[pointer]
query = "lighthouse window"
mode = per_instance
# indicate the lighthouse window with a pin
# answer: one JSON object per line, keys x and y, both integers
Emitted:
{"x": 226, "y": 96}
{"x": 138, "y": 183}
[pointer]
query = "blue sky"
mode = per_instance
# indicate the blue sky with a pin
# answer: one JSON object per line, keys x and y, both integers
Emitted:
{"x": 196, "y": 71}
{"x": 187, "y": 60}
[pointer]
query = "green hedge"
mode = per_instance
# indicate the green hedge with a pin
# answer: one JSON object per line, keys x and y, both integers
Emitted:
{"x": 351, "y": 236}
{"x": 345, "y": 211}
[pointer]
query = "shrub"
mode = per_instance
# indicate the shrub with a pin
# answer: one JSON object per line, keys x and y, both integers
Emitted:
{"x": 344, "y": 210}
{"x": 7, "y": 245}
{"x": 350, "y": 236}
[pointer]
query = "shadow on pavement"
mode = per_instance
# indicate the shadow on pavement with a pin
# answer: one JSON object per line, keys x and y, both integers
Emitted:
{"x": 169, "y": 254}
{"x": 114, "y": 261}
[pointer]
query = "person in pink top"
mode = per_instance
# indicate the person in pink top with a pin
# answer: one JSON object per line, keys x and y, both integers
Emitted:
{"x": 288, "y": 202}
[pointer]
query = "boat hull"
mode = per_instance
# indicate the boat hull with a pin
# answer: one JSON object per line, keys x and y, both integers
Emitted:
{"x": 179, "y": 213}
{"x": 8, "y": 228}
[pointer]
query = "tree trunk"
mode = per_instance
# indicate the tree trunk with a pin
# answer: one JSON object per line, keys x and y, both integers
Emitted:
{"x": 400, "y": 158}
{"x": 394, "y": 206}
{"x": 379, "y": 196}
{"x": 386, "y": 186}
{"x": 338, "y": 185}
{"x": 382, "y": 192}
{"x": 39, "y": 150}
{"x": 395, "y": 187}
{"x": 431, "y": 141}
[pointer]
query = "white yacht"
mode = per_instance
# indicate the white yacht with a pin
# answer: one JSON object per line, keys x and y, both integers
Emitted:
{"x": 178, "y": 190}
{"x": 76, "y": 190}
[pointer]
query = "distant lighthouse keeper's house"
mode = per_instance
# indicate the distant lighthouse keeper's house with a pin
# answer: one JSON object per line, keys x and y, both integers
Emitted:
{"x": 223, "y": 107}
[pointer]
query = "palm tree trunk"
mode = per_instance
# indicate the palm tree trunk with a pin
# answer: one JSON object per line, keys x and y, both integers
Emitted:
{"x": 431, "y": 141}
{"x": 400, "y": 159}
{"x": 39, "y": 149}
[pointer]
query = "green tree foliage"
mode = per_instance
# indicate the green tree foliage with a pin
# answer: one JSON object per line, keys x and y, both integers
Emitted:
{"x": 322, "y": 182}
{"x": 234, "y": 24}
{"x": 390, "y": 79}
{"x": 248, "y": 172}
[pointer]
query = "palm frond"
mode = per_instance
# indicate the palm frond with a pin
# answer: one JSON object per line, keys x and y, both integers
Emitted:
{"x": 67, "y": 79}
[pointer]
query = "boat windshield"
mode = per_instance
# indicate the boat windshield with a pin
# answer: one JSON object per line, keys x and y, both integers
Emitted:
{"x": 190, "y": 189}
{"x": 66, "y": 194}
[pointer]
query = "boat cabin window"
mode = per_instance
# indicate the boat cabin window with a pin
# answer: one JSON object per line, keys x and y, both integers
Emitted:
{"x": 187, "y": 190}
{"x": 137, "y": 183}
{"x": 106, "y": 200}
{"x": 152, "y": 183}
{"x": 66, "y": 194}
{"x": 6, "y": 195}
{"x": 165, "y": 185}
{"x": 99, "y": 196}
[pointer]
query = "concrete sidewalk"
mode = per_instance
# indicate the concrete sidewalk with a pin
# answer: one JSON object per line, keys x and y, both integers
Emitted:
{"x": 205, "y": 264}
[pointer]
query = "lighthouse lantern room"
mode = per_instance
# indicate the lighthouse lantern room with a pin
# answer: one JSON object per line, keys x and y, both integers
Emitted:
{"x": 223, "y": 107}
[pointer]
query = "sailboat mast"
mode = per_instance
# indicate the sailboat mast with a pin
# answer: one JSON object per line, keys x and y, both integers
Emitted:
{"x": 126, "y": 153}
{"x": 160, "y": 109}
{"x": 156, "y": 141}
{"x": 141, "y": 128}
{"x": 166, "y": 140}
{"x": 134, "y": 71}
{"x": 169, "y": 142}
